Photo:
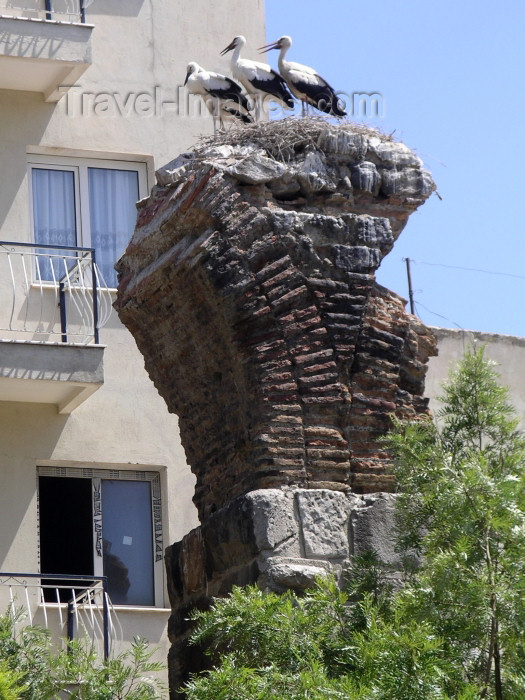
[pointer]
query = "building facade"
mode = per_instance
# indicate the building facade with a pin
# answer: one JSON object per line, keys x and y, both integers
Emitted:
{"x": 93, "y": 477}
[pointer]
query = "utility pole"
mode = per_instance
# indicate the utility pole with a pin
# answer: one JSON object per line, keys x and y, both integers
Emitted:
{"x": 410, "y": 290}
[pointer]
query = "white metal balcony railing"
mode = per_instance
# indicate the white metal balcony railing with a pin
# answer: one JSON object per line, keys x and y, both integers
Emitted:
{"x": 72, "y": 11}
{"x": 70, "y": 607}
{"x": 51, "y": 293}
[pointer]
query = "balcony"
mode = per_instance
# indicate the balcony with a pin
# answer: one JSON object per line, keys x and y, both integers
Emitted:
{"x": 54, "y": 301}
{"x": 69, "y": 606}
{"x": 45, "y": 45}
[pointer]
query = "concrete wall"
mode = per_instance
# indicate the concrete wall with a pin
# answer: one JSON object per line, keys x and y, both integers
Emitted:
{"x": 508, "y": 352}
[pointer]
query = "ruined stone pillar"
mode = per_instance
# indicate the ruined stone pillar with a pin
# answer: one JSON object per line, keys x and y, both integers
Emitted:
{"x": 249, "y": 288}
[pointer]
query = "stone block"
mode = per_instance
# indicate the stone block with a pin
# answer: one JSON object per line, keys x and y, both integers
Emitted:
{"x": 375, "y": 232}
{"x": 229, "y": 537}
{"x": 356, "y": 258}
{"x": 274, "y": 525}
{"x": 193, "y": 566}
{"x": 298, "y": 574}
{"x": 373, "y": 527}
{"x": 256, "y": 169}
{"x": 406, "y": 183}
{"x": 175, "y": 171}
{"x": 365, "y": 177}
{"x": 313, "y": 175}
{"x": 394, "y": 153}
{"x": 323, "y": 516}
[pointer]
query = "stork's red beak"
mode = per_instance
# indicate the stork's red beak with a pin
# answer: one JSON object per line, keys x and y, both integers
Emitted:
{"x": 230, "y": 47}
{"x": 269, "y": 47}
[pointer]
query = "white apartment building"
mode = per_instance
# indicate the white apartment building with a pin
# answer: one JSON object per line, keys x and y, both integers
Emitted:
{"x": 93, "y": 477}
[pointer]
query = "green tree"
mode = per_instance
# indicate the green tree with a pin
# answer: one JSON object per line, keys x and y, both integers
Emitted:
{"x": 26, "y": 651}
{"x": 461, "y": 502}
{"x": 455, "y": 629}
{"x": 124, "y": 677}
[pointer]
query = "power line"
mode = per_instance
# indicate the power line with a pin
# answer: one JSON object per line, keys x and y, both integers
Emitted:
{"x": 418, "y": 303}
{"x": 415, "y": 303}
{"x": 468, "y": 269}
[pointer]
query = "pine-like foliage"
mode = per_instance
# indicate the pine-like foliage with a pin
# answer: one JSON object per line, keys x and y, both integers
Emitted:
{"x": 31, "y": 668}
{"x": 11, "y": 683}
{"x": 455, "y": 630}
{"x": 461, "y": 502}
{"x": 318, "y": 645}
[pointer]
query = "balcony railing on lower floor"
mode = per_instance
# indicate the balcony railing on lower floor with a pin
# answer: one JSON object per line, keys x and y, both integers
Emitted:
{"x": 51, "y": 293}
{"x": 69, "y": 606}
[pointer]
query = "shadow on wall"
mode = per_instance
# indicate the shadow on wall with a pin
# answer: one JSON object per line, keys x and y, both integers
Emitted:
{"x": 15, "y": 137}
{"x": 38, "y": 427}
{"x": 16, "y": 44}
{"x": 128, "y": 8}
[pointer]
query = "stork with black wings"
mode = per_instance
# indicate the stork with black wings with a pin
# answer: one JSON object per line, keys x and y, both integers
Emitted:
{"x": 258, "y": 79}
{"x": 304, "y": 82}
{"x": 223, "y": 96}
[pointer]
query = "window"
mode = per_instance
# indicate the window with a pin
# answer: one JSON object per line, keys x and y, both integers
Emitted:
{"x": 87, "y": 203}
{"x": 97, "y": 522}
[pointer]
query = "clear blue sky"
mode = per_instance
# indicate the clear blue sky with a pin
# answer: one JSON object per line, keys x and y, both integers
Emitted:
{"x": 452, "y": 75}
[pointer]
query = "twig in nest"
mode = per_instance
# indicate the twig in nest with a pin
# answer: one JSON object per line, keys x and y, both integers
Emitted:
{"x": 283, "y": 138}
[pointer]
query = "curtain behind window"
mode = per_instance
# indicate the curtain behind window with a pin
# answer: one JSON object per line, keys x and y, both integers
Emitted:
{"x": 54, "y": 218}
{"x": 112, "y": 198}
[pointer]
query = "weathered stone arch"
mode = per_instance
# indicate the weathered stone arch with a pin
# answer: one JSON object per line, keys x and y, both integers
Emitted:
{"x": 249, "y": 286}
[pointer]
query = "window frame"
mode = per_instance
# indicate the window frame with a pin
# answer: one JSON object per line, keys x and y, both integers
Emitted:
{"x": 95, "y": 475}
{"x": 80, "y": 165}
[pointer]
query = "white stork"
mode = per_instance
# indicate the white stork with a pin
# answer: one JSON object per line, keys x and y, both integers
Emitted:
{"x": 304, "y": 82}
{"x": 222, "y": 95}
{"x": 258, "y": 79}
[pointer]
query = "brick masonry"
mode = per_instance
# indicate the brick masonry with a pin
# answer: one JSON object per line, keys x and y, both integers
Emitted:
{"x": 249, "y": 286}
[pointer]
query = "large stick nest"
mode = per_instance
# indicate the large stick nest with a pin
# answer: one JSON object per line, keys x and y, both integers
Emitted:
{"x": 282, "y": 139}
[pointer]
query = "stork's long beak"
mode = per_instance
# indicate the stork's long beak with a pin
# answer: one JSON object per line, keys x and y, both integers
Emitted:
{"x": 187, "y": 76}
{"x": 230, "y": 47}
{"x": 269, "y": 47}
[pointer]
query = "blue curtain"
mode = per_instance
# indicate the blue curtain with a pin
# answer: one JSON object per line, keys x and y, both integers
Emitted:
{"x": 112, "y": 198}
{"x": 54, "y": 218}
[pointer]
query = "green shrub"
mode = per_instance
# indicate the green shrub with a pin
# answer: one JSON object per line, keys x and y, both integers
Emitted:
{"x": 32, "y": 669}
{"x": 11, "y": 683}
